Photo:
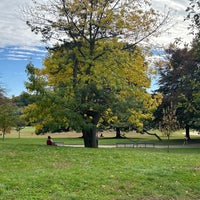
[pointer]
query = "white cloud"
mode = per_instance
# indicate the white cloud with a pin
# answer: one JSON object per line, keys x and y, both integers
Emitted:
{"x": 23, "y": 53}
{"x": 30, "y": 48}
{"x": 15, "y": 32}
{"x": 178, "y": 14}
{"x": 178, "y": 5}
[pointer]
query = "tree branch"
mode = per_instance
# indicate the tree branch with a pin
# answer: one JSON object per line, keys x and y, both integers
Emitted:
{"x": 154, "y": 134}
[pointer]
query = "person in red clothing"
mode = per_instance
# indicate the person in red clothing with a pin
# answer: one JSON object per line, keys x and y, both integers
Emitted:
{"x": 50, "y": 141}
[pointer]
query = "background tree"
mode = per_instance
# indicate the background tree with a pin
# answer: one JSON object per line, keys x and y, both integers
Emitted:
{"x": 179, "y": 84}
{"x": 19, "y": 122}
{"x": 6, "y": 117}
{"x": 5, "y": 113}
{"x": 20, "y": 103}
{"x": 94, "y": 66}
{"x": 193, "y": 102}
{"x": 193, "y": 11}
{"x": 169, "y": 122}
{"x": 23, "y": 100}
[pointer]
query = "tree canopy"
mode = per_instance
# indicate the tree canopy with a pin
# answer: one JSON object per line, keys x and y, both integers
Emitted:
{"x": 91, "y": 21}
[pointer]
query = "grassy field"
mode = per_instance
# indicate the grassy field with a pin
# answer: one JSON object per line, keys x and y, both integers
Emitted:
{"x": 31, "y": 170}
{"x": 176, "y": 138}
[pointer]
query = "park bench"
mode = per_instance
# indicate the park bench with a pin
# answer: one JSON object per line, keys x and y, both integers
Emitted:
{"x": 136, "y": 145}
{"x": 145, "y": 144}
{"x": 125, "y": 145}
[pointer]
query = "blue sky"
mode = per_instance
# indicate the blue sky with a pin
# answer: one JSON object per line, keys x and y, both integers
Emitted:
{"x": 13, "y": 62}
{"x": 19, "y": 46}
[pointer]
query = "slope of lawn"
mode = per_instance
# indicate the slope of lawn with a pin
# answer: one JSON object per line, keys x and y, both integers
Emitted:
{"x": 31, "y": 170}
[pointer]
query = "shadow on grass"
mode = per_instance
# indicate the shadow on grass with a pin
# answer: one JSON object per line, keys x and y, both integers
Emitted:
{"x": 165, "y": 141}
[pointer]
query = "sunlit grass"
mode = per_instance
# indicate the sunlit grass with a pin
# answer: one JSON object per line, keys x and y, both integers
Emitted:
{"x": 36, "y": 171}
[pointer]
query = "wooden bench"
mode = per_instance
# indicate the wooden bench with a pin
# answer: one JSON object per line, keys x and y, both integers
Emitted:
{"x": 136, "y": 145}
{"x": 129, "y": 145}
{"x": 145, "y": 145}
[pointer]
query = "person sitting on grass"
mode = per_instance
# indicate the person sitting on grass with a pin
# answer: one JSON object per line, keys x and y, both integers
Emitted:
{"x": 50, "y": 141}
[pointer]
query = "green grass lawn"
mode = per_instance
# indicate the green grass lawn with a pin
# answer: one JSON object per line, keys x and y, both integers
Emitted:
{"x": 176, "y": 138}
{"x": 31, "y": 170}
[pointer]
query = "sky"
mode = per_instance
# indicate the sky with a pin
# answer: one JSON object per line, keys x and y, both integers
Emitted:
{"x": 19, "y": 46}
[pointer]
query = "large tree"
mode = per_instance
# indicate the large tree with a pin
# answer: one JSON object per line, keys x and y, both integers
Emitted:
{"x": 115, "y": 93}
{"x": 97, "y": 66}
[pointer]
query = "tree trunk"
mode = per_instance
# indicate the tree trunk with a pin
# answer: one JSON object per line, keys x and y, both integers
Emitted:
{"x": 90, "y": 133}
{"x": 118, "y": 133}
{"x": 19, "y": 134}
{"x": 4, "y": 132}
{"x": 187, "y": 132}
{"x": 90, "y": 138}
